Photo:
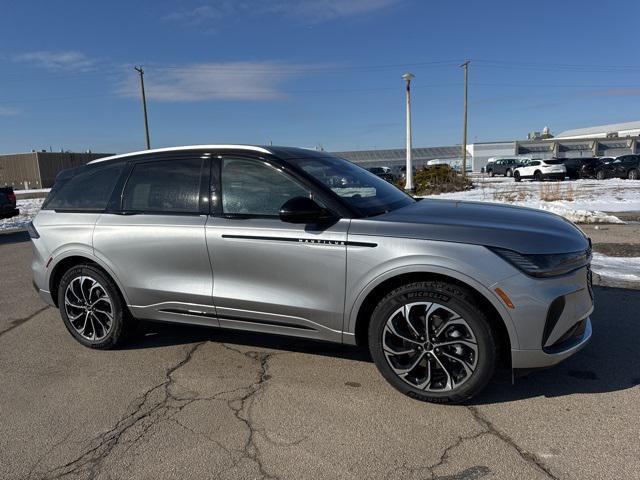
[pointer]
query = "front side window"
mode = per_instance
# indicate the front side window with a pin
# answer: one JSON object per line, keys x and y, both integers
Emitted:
{"x": 87, "y": 190}
{"x": 252, "y": 187}
{"x": 365, "y": 192}
{"x": 167, "y": 186}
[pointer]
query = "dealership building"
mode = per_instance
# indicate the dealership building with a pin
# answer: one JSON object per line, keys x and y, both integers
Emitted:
{"x": 39, "y": 169}
{"x": 599, "y": 141}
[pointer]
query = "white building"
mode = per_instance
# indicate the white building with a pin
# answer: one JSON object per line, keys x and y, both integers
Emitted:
{"x": 613, "y": 130}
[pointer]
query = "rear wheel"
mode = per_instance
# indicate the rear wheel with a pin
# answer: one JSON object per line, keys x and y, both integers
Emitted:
{"x": 516, "y": 176}
{"x": 633, "y": 174}
{"x": 537, "y": 176}
{"x": 92, "y": 309}
{"x": 509, "y": 173}
{"x": 432, "y": 342}
{"x": 600, "y": 175}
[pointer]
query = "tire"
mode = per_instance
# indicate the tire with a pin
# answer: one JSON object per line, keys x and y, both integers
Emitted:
{"x": 509, "y": 173}
{"x": 633, "y": 174}
{"x": 600, "y": 175}
{"x": 103, "y": 321}
{"x": 436, "y": 376}
{"x": 516, "y": 176}
{"x": 491, "y": 173}
{"x": 537, "y": 176}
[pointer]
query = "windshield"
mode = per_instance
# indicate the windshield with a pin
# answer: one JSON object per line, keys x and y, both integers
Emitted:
{"x": 366, "y": 193}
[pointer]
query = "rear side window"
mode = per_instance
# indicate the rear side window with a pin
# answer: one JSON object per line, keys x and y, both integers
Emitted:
{"x": 167, "y": 186}
{"x": 88, "y": 190}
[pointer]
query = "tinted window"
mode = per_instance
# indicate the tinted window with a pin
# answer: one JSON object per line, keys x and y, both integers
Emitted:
{"x": 252, "y": 187}
{"x": 363, "y": 191}
{"x": 533, "y": 164}
{"x": 89, "y": 189}
{"x": 168, "y": 186}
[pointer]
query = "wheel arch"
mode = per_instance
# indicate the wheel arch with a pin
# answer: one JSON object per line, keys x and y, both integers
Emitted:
{"x": 499, "y": 319}
{"x": 72, "y": 259}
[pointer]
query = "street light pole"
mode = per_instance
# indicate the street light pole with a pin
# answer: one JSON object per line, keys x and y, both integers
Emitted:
{"x": 144, "y": 105}
{"x": 465, "y": 65}
{"x": 409, "y": 175}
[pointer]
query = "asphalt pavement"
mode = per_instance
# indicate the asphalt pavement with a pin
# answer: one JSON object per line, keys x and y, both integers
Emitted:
{"x": 184, "y": 402}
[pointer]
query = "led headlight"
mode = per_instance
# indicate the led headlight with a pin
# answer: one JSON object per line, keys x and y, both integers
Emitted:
{"x": 545, "y": 265}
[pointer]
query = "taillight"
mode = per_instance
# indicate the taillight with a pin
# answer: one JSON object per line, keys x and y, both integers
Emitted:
{"x": 33, "y": 233}
{"x": 12, "y": 197}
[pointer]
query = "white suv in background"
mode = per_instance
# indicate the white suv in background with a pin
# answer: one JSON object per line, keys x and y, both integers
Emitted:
{"x": 540, "y": 170}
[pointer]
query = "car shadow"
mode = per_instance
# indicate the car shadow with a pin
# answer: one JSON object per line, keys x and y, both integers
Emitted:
{"x": 611, "y": 361}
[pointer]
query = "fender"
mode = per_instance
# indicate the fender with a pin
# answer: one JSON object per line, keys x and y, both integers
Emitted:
{"x": 349, "y": 333}
{"x": 85, "y": 251}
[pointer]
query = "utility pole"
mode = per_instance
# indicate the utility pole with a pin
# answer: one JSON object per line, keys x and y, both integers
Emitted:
{"x": 409, "y": 175}
{"x": 144, "y": 105}
{"x": 465, "y": 65}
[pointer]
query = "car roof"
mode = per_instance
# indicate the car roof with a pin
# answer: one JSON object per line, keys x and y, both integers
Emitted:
{"x": 286, "y": 153}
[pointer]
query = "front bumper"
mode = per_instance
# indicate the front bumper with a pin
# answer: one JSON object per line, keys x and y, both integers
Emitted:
{"x": 530, "y": 359}
{"x": 550, "y": 316}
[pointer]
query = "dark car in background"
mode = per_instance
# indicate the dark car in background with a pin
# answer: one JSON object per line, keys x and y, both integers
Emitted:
{"x": 8, "y": 203}
{"x": 383, "y": 172}
{"x": 624, "y": 166}
{"x": 503, "y": 166}
{"x": 590, "y": 165}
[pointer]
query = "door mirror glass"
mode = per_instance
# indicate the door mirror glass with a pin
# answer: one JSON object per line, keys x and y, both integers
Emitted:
{"x": 303, "y": 210}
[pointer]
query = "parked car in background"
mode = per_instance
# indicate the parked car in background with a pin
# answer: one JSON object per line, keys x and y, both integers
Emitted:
{"x": 440, "y": 291}
{"x": 590, "y": 165}
{"x": 8, "y": 203}
{"x": 624, "y": 166}
{"x": 572, "y": 165}
{"x": 383, "y": 172}
{"x": 539, "y": 170}
{"x": 503, "y": 166}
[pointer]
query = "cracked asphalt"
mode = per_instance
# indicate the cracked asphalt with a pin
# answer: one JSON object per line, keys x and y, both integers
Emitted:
{"x": 184, "y": 402}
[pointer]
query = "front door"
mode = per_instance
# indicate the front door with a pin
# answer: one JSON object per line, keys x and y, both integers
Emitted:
{"x": 269, "y": 275}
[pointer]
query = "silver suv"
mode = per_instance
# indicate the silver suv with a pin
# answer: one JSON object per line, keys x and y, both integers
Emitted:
{"x": 301, "y": 243}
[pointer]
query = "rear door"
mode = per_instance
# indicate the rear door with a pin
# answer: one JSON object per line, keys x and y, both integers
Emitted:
{"x": 153, "y": 238}
{"x": 269, "y": 275}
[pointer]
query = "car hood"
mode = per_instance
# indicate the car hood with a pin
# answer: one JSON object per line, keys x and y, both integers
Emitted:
{"x": 525, "y": 230}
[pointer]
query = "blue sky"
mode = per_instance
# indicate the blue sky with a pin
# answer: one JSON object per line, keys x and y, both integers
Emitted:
{"x": 309, "y": 72}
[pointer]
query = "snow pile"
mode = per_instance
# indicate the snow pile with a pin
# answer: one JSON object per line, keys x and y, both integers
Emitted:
{"x": 621, "y": 268}
{"x": 581, "y": 201}
{"x": 33, "y": 190}
{"x": 28, "y": 210}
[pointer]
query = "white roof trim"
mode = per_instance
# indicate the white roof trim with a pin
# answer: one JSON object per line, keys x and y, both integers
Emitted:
{"x": 186, "y": 147}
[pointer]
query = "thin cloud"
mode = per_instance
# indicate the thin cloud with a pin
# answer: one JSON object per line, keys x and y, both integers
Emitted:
{"x": 9, "y": 112}
{"x": 213, "y": 81}
{"x": 310, "y": 11}
{"x": 66, "y": 60}
{"x": 612, "y": 92}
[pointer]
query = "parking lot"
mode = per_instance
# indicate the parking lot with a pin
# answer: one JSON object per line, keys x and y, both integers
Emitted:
{"x": 184, "y": 402}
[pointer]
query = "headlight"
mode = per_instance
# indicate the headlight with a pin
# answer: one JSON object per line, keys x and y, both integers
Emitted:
{"x": 545, "y": 265}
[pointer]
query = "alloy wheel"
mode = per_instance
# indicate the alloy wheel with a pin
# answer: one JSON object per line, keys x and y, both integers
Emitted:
{"x": 88, "y": 308}
{"x": 430, "y": 347}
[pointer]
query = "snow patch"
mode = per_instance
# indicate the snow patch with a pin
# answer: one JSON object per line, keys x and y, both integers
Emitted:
{"x": 28, "y": 209}
{"x": 621, "y": 268}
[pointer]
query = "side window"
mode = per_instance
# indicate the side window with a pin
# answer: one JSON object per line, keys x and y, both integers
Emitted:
{"x": 166, "y": 186}
{"x": 252, "y": 187}
{"x": 534, "y": 164}
{"x": 89, "y": 189}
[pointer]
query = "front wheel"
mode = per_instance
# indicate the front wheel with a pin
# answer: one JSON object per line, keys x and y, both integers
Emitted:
{"x": 491, "y": 173}
{"x": 431, "y": 341}
{"x": 509, "y": 173}
{"x": 516, "y": 176}
{"x": 92, "y": 309}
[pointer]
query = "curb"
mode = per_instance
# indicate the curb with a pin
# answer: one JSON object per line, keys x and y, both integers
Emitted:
{"x": 601, "y": 281}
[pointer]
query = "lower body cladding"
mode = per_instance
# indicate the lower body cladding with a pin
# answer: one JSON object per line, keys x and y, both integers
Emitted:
{"x": 550, "y": 316}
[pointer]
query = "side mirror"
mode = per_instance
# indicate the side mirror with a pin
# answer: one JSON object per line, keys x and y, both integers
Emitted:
{"x": 303, "y": 210}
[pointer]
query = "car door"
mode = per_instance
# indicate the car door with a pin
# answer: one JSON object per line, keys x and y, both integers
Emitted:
{"x": 529, "y": 168}
{"x": 269, "y": 275}
{"x": 153, "y": 238}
